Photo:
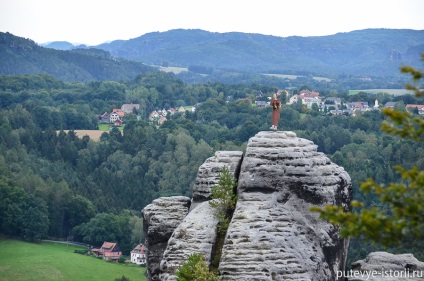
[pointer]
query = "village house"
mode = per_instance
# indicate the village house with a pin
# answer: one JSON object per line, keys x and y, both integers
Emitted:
{"x": 153, "y": 115}
{"x": 113, "y": 117}
{"x": 411, "y": 107}
{"x": 138, "y": 254}
{"x": 108, "y": 251}
{"x": 293, "y": 99}
{"x": 310, "y": 101}
{"x": 333, "y": 100}
{"x": 171, "y": 110}
{"x": 308, "y": 94}
{"x": 104, "y": 118}
{"x": 117, "y": 123}
{"x": 307, "y": 97}
{"x": 161, "y": 120}
{"x": 390, "y": 104}
{"x": 358, "y": 106}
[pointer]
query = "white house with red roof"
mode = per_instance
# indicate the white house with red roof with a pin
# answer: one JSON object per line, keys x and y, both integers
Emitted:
{"x": 138, "y": 254}
{"x": 419, "y": 107}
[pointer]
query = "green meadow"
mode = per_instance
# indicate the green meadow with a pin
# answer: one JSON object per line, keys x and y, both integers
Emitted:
{"x": 24, "y": 261}
{"x": 394, "y": 92}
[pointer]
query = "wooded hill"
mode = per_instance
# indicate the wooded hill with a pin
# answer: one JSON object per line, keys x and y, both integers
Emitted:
{"x": 375, "y": 52}
{"x": 224, "y": 57}
{"x": 23, "y": 56}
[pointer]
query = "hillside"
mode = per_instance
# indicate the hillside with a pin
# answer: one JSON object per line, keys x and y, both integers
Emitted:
{"x": 376, "y": 52}
{"x": 23, "y": 56}
{"x": 226, "y": 57}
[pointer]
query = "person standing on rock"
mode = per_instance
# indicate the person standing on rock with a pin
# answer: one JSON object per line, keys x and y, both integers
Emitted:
{"x": 276, "y": 105}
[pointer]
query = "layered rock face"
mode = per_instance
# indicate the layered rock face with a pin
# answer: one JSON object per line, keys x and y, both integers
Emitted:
{"x": 208, "y": 174}
{"x": 273, "y": 235}
{"x": 196, "y": 234}
{"x": 160, "y": 219}
{"x": 383, "y": 266}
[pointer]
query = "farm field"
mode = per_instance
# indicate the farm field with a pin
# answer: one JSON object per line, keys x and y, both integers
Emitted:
{"x": 288, "y": 76}
{"x": 394, "y": 92}
{"x": 93, "y": 134}
{"x": 47, "y": 261}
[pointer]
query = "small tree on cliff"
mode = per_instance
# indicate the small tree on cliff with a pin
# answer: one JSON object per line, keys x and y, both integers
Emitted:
{"x": 195, "y": 269}
{"x": 405, "y": 218}
{"x": 224, "y": 199}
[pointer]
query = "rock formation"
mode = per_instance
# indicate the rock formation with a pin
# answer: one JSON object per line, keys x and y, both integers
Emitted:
{"x": 160, "y": 219}
{"x": 272, "y": 234}
{"x": 383, "y": 266}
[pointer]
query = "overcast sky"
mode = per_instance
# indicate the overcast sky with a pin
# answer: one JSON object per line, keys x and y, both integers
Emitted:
{"x": 93, "y": 22}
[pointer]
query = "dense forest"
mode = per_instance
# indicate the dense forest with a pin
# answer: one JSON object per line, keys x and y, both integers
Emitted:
{"x": 54, "y": 184}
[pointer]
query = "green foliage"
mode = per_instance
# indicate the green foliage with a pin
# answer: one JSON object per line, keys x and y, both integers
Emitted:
{"x": 403, "y": 215}
{"x": 106, "y": 227}
{"x": 224, "y": 199}
{"x": 195, "y": 269}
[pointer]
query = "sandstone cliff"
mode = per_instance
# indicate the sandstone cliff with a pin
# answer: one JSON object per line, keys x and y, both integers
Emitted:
{"x": 272, "y": 234}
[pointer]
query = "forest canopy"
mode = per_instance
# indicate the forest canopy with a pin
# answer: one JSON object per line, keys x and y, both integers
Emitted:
{"x": 114, "y": 178}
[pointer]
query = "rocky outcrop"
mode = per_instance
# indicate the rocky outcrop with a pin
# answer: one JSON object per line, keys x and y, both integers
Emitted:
{"x": 383, "y": 266}
{"x": 208, "y": 174}
{"x": 273, "y": 235}
{"x": 196, "y": 234}
{"x": 160, "y": 219}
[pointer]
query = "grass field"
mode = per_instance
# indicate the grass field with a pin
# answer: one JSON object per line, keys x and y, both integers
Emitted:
{"x": 394, "y": 92}
{"x": 287, "y": 76}
{"x": 23, "y": 261}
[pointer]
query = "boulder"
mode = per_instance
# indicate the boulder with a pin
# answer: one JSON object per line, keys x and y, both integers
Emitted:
{"x": 160, "y": 219}
{"x": 383, "y": 266}
{"x": 273, "y": 235}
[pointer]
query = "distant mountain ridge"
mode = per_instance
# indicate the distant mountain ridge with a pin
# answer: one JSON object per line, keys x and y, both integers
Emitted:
{"x": 23, "y": 56}
{"x": 369, "y": 52}
{"x": 364, "y": 52}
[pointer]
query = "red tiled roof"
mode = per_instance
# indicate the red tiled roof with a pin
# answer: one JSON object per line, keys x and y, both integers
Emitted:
{"x": 108, "y": 246}
{"x": 140, "y": 249}
{"x": 415, "y": 105}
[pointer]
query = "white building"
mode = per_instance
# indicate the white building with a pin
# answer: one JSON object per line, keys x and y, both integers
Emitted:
{"x": 138, "y": 254}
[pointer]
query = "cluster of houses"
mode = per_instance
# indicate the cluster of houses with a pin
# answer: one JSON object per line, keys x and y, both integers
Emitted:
{"x": 117, "y": 115}
{"x": 330, "y": 105}
{"x": 334, "y": 106}
{"x": 112, "y": 252}
{"x": 159, "y": 116}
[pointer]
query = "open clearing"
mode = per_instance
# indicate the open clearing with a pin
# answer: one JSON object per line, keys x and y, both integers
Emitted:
{"x": 394, "y": 92}
{"x": 23, "y": 261}
{"x": 93, "y": 134}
